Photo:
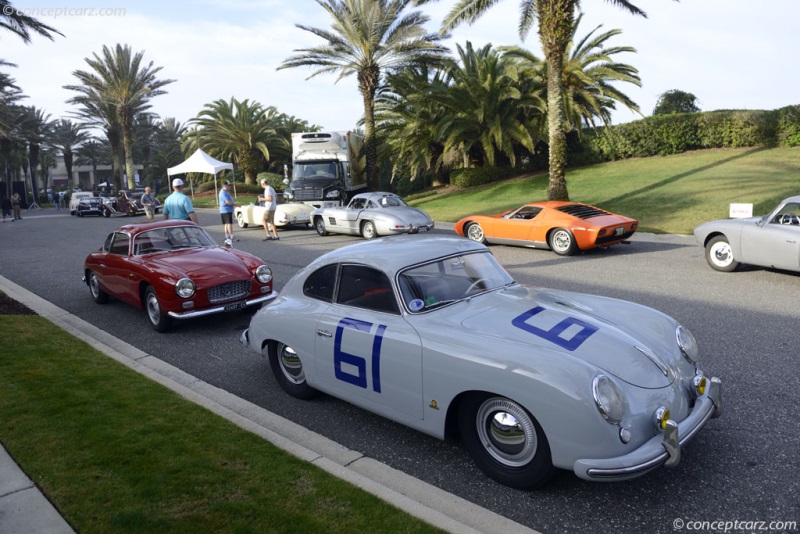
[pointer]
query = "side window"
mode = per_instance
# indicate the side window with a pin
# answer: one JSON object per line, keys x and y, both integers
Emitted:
{"x": 372, "y": 205}
{"x": 120, "y": 244}
{"x": 365, "y": 287}
{"x": 107, "y": 244}
{"x": 357, "y": 204}
{"x": 320, "y": 284}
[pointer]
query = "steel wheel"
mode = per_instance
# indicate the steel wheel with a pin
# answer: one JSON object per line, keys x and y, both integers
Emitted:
{"x": 288, "y": 370}
{"x": 562, "y": 242}
{"x": 475, "y": 232}
{"x": 319, "y": 224}
{"x": 719, "y": 255}
{"x": 505, "y": 441}
{"x": 368, "y": 230}
{"x": 159, "y": 320}
{"x": 240, "y": 220}
{"x": 99, "y": 296}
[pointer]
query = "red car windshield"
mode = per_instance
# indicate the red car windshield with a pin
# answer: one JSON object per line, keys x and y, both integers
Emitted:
{"x": 167, "y": 239}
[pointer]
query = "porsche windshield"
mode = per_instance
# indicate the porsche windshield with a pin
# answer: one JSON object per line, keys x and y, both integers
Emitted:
{"x": 431, "y": 285}
{"x": 167, "y": 239}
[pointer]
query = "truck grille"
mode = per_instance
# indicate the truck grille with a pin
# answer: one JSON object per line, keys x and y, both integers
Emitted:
{"x": 310, "y": 193}
{"x": 229, "y": 291}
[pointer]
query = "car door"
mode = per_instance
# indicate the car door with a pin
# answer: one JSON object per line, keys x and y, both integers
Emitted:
{"x": 344, "y": 220}
{"x": 113, "y": 266}
{"x": 776, "y": 241}
{"x": 518, "y": 225}
{"x": 365, "y": 350}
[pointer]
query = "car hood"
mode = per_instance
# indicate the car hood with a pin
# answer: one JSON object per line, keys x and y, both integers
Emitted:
{"x": 634, "y": 343}
{"x": 212, "y": 263}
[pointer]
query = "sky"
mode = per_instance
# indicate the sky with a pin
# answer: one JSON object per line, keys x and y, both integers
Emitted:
{"x": 730, "y": 54}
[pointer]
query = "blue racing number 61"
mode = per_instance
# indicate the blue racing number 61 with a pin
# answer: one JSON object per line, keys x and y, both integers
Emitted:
{"x": 554, "y": 334}
{"x": 340, "y": 356}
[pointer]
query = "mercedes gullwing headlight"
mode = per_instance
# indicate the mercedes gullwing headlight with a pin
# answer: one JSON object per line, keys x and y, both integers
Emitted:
{"x": 608, "y": 399}
{"x": 184, "y": 288}
{"x": 687, "y": 344}
{"x": 263, "y": 274}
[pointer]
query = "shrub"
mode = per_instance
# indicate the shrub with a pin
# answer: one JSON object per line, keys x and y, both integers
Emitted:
{"x": 462, "y": 178}
{"x": 787, "y": 132}
{"x": 273, "y": 179}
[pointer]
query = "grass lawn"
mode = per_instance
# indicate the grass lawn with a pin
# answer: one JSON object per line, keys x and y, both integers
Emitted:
{"x": 670, "y": 194}
{"x": 117, "y": 452}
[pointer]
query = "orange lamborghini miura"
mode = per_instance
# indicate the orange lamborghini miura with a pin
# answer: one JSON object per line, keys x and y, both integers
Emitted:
{"x": 564, "y": 227}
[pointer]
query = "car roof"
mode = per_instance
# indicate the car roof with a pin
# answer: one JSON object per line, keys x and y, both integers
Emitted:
{"x": 791, "y": 199}
{"x": 391, "y": 254}
{"x": 134, "y": 229}
{"x": 376, "y": 195}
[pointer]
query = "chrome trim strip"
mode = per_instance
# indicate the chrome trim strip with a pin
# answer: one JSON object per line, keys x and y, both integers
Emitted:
{"x": 219, "y": 309}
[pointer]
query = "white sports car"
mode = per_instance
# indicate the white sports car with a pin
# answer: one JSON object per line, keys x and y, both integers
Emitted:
{"x": 371, "y": 215}
{"x": 285, "y": 214}
{"x": 433, "y": 333}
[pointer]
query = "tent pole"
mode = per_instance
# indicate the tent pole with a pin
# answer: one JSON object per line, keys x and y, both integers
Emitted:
{"x": 233, "y": 179}
{"x": 216, "y": 193}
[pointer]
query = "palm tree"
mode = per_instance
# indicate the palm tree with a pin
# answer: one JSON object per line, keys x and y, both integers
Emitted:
{"x": 555, "y": 23}
{"x": 242, "y": 132}
{"x": 120, "y": 80}
{"x": 589, "y": 70}
{"x": 21, "y": 25}
{"x": 91, "y": 152}
{"x": 96, "y": 114}
{"x": 407, "y": 113}
{"x": 487, "y": 113}
{"x": 67, "y": 136}
{"x": 36, "y": 128}
{"x": 168, "y": 152}
{"x": 369, "y": 38}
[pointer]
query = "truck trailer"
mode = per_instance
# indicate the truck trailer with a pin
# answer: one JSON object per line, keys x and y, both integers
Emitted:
{"x": 327, "y": 168}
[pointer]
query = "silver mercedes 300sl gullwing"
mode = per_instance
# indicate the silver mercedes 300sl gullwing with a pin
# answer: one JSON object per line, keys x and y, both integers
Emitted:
{"x": 429, "y": 330}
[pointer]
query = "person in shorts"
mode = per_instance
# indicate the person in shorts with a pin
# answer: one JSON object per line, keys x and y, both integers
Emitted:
{"x": 149, "y": 204}
{"x": 226, "y": 205}
{"x": 271, "y": 203}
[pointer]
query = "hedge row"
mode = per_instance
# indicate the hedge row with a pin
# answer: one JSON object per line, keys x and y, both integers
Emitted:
{"x": 479, "y": 176}
{"x": 662, "y": 135}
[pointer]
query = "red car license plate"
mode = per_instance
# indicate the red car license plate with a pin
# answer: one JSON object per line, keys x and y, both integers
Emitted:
{"x": 236, "y": 306}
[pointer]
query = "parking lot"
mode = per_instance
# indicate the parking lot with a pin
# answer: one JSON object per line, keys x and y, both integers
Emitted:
{"x": 741, "y": 467}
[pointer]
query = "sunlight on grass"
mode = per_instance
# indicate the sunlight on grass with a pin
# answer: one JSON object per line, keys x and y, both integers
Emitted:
{"x": 670, "y": 194}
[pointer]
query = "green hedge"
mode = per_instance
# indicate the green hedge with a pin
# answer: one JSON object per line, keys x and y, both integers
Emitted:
{"x": 471, "y": 177}
{"x": 273, "y": 179}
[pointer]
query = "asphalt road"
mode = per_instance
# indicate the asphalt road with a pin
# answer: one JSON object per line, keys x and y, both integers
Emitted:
{"x": 741, "y": 467}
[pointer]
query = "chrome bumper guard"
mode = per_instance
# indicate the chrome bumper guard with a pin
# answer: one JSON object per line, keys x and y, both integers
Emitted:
{"x": 661, "y": 450}
{"x": 220, "y": 309}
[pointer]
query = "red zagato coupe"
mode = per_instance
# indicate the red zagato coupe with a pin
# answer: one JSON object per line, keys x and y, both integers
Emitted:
{"x": 564, "y": 227}
{"x": 175, "y": 270}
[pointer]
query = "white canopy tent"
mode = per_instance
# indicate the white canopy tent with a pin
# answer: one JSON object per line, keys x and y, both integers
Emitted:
{"x": 201, "y": 162}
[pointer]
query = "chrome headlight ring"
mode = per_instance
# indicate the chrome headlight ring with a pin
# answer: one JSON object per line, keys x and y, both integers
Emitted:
{"x": 184, "y": 288}
{"x": 688, "y": 344}
{"x": 263, "y": 274}
{"x": 607, "y": 399}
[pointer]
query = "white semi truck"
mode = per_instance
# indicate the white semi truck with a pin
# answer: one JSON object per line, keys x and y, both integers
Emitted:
{"x": 327, "y": 168}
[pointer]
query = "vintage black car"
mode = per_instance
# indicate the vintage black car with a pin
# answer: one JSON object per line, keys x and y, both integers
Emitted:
{"x": 85, "y": 203}
{"x": 126, "y": 202}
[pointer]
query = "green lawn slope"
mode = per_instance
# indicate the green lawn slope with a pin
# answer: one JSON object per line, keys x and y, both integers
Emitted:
{"x": 671, "y": 194}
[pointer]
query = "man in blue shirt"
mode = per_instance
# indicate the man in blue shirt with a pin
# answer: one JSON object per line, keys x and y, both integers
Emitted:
{"x": 177, "y": 205}
{"x": 226, "y": 205}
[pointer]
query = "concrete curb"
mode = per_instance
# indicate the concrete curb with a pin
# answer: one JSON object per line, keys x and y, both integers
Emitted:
{"x": 420, "y": 499}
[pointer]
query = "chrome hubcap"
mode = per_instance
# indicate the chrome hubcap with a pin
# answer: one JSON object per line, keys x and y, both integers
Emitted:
{"x": 369, "y": 231}
{"x": 290, "y": 365}
{"x": 507, "y": 432}
{"x": 475, "y": 232}
{"x": 561, "y": 240}
{"x": 721, "y": 254}
{"x": 153, "y": 309}
{"x": 94, "y": 286}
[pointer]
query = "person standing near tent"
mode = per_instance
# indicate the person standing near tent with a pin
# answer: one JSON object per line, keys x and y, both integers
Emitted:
{"x": 226, "y": 205}
{"x": 148, "y": 202}
{"x": 271, "y": 203}
{"x": 179, "y": 206}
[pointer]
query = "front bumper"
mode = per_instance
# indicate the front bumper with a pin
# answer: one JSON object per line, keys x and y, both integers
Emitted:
{"x": 220, "y": 309}
{"x": 664, "y": 449}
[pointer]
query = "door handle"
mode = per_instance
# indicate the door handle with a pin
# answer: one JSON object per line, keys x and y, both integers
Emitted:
{"x": 324, "y": 333}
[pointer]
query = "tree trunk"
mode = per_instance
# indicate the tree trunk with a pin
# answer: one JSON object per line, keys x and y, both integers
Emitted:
{"x": 33, "y": 161}
{"x": 368, "y": 85}
{"x": 127, "y": 144}
{"x": 68, "y": 165}
{"x": 555, "y": 26}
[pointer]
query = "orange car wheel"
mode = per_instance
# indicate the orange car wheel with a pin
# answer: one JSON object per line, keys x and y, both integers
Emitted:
{"x": 475, "y": 232}
{"x": 562, "y": 242}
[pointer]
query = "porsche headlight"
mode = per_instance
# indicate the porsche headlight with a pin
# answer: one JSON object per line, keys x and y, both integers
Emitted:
{"x": 687, "y": 344}
{"x": 607, "y": 399}
{"x": 263, "y": 274}
{"x": 184, "y": 288}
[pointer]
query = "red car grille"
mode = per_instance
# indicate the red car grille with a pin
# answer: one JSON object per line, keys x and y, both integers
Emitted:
{"x": 229, "y": 291}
